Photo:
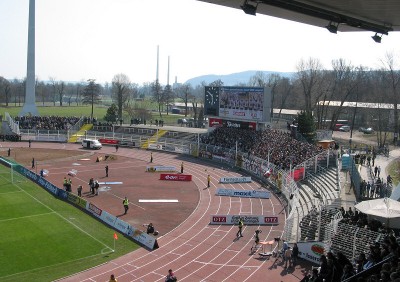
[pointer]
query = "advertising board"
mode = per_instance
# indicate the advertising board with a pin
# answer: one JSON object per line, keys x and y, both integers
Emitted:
{"x": 243, "y": 193}
{"x": 247, "y": 219}
{"x": 175, "y": 177}
{"x": 235, "y": 180}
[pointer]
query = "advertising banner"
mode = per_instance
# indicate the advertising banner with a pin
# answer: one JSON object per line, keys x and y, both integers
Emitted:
{"x": 108, "y": 141}
{"x": 247, "y": 219}
{"x": 298, "y": 173}
{"x": 160, "y": 168}
{"x": 142, "y": 237}
{"x": 108, "y": 218}
{"x": 93, "y": 209}
{"x": 235, "y": 180}
{"x": 182, "y": 150}
{"x": 175, "y": 177}
{"x": 311, "y": 251}
{"x": 220, "y": 157}
{"x": 155, "y": 146}
{"x": 215, "y": 122}
{"x": 72, "y": 198}
{"x": 122, "y": 226}
{"x": 82, "y": 203}
{"x": 127, "y": 144}
{"x": 243, "y": 193}
{"x": 37, "y": 179}
{"x": 62, "y": 194}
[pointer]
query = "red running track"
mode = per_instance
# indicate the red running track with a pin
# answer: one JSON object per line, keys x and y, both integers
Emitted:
{"x": 195, "y": 250}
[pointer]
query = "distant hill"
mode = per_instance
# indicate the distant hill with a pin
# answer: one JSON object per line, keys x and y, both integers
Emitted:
{"x": 232, "y": 79}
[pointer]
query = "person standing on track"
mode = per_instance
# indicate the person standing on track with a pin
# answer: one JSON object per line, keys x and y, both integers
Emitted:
{"x": 125, "y": 202}
{"x": 240, "y": 226}
{"x": 151, "y": 157}
{"x": 182, "y": 167}
{"x": 33, "y": 163}
{"x": 106, "y": 170}
{"x": 79, "y": 191}
{"x": 208, "y": 181}
{"x": 112, "y": 278}
{"x": 91, "y": 185}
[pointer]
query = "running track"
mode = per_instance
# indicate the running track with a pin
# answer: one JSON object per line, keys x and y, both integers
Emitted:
{"x": 195, "y": 250}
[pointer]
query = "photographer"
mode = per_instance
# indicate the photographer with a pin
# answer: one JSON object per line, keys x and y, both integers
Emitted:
{"x": 150, "y": 228}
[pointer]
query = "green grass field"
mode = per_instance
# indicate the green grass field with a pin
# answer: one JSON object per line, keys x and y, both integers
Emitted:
{"x": 44, "y": 238}
{"x": 99, "y": 112}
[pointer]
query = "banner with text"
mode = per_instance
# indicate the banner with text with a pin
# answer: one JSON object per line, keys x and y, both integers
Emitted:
{"x": 175, "y": 177}
{"x": 311, "y": 251}
{"x": 242, "y": 193}
{"x": 108, "y": 141}
{"x": 142, "y": 237}
{"x": 155, "y": 146}
{"x": 247, "y": 219}
{"x": 160, "y": 168}
{"x": 235, "y": 180}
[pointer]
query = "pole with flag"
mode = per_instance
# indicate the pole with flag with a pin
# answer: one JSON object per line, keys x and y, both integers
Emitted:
{"x": 115, "y": 238}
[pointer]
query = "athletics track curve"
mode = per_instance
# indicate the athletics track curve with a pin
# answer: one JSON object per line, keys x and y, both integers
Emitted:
{"x": 195, "y": 250}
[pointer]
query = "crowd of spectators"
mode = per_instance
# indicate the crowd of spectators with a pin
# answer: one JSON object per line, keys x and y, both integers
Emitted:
{"x": 46, "y": 122}
{"x": 337, "y": 267}
{"x": 282, "y": 149}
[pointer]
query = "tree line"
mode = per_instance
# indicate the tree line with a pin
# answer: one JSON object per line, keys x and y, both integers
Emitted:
{"x": 312, "y": 88}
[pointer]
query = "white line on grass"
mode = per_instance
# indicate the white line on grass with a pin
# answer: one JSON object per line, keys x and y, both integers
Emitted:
{"x": 53, "y": 265}
{"x": 77, "y": 227}
{"x": 28, "y": 216}
{"x": 11, "y": 192}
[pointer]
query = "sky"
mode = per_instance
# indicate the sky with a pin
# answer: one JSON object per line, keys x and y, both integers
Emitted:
{"x": 78, "y": 40}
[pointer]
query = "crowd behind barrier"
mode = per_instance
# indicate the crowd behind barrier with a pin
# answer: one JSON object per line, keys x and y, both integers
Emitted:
{"x": 279, "y": 147}
{"x": 46, "y": 122}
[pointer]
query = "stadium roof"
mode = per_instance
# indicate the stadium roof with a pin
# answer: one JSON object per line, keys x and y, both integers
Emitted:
{"x": 379, "y": 16}
{"x": 358, "y": 105}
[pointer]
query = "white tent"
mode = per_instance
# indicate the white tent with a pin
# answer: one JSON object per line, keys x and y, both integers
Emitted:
{"x": 385, "y": 210}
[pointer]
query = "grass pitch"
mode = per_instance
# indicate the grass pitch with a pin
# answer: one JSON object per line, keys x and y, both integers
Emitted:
{"x": 44, "y": 238}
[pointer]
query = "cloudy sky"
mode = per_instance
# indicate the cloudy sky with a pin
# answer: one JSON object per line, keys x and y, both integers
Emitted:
{"x": 81, "y": 39}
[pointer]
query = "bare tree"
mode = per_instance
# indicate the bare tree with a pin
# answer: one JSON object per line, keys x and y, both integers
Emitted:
{"x": 309, "y": 75}
{"x": 284, "y": 89}
{"x": 184, "y": 93}
{"x": 5, "y": 87}
{"x": 157, "y": 95}
{"x": 259, "y": 79}
{"x": 120, "y": 91}
{"x": 391, "y": 78}
{"x": 169, "y": 95}
{"x": 54, "y": 87}
{"x": 61, "y": 91}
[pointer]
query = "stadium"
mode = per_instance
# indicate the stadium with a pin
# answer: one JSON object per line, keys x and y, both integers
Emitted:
{"x": 240, "y": 168}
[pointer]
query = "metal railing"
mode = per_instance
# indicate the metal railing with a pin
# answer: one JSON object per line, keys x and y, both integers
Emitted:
{"x": 14, "y": 126}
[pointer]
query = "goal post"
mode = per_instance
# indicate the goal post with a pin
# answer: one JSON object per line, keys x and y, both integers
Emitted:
{"x": 11, "y": 171}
